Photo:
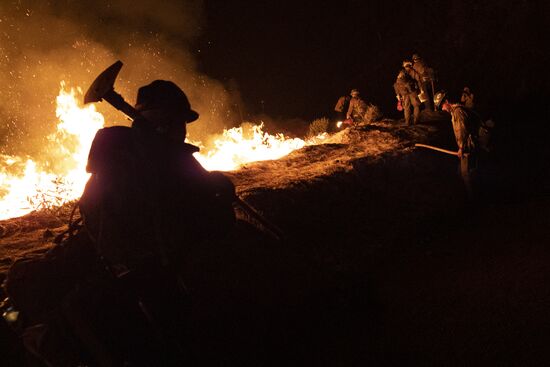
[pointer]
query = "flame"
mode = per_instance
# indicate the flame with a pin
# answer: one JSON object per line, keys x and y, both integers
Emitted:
{"x": 234, "y": 148}
{"x": 25, "y": 186}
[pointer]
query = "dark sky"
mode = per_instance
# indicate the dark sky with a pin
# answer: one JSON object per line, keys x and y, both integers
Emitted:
{"x": 299, "y": 56}
{"x": 288, "y": 59}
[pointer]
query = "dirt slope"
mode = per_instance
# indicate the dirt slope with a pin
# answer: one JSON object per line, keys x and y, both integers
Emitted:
{"x": 383, "y": 261}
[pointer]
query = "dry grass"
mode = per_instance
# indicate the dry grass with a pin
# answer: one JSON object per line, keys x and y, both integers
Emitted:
{"x": 19, "y": 236}
{"x": 372, "y": 114}
{"x": 318, "y": 126}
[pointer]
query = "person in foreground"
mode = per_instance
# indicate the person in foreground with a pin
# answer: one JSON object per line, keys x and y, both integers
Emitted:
{"x": 148, "y": 197}
{"x": 111, "y": 293}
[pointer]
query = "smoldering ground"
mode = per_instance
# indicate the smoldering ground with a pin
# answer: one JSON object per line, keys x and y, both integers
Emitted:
{"x": 44, "y": 43}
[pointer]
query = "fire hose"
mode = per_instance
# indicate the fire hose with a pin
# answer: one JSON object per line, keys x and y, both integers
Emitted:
{"x": 446, "y": 151}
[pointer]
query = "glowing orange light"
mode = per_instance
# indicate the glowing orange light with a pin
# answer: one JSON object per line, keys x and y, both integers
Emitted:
{"x": 236, "y": 147}
{"x": 26, "y": 188}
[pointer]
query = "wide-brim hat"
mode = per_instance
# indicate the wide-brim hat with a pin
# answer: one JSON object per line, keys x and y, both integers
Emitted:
{"x": 165, "y": 94}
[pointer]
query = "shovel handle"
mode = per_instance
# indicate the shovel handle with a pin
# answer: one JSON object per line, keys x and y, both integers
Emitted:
{"x": 272, "y": 228}
{"x": 120, "y": 104}
{"x": 451, "y": 152}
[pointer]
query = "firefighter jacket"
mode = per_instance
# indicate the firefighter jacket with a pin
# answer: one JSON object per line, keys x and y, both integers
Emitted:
{"x": 357, "y": 108}
{"x": 404, "y": 84}
{"x": 466, "y": 124}
{"x": 423, "y": 73}
{"x": 149, "y": 197}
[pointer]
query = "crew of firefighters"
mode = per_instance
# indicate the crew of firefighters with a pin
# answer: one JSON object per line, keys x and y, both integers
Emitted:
{"x": 414, "y": 89}
{"x": 414, "y": 86}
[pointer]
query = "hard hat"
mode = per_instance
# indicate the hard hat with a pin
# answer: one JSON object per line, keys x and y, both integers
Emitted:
{"x": 416, "y": 57}
{"x": 354, "y": 92}
{"x": 163, "y": 94}
{"x": 439, "y": 97}
{"x": 407, "y": 63}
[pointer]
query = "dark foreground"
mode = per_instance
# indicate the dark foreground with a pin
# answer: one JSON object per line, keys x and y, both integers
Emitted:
{"x": 385, "y": 265}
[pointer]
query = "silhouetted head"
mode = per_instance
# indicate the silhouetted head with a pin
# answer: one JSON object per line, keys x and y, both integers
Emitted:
{"x": 416, "y": 57}
{"x": 407, "y": 64}
{"x": 166, "y": 106}
{"x": 354, "y": 93}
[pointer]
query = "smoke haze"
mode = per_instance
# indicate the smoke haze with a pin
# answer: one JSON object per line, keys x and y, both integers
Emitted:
{"x": 43, "y": 43}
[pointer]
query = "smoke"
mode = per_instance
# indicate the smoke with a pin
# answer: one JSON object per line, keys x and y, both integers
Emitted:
{"x": 43, "y": 43}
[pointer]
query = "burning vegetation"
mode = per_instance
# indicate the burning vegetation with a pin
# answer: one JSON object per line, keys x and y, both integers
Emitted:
{"x": 27, "y": 185}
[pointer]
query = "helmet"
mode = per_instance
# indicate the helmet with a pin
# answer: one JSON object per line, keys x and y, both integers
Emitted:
{"x": 407, "y": 63}
{"x": 416, "y": 57}
{"x": 438, "y": 98}
{"x": 354, "y": 92}
{"x": 167, "y": 95}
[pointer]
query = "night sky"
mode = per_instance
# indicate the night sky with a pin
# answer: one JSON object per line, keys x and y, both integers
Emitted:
{"x": 280, "y": 61}
{"x": 299, "y": 57}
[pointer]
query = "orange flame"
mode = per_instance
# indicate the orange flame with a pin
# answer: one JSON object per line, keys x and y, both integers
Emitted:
{"x": 233, "y": 148}
{"x": 26, "y": 188}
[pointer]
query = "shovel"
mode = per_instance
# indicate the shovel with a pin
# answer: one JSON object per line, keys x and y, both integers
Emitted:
{"x": 103, "y": 89}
